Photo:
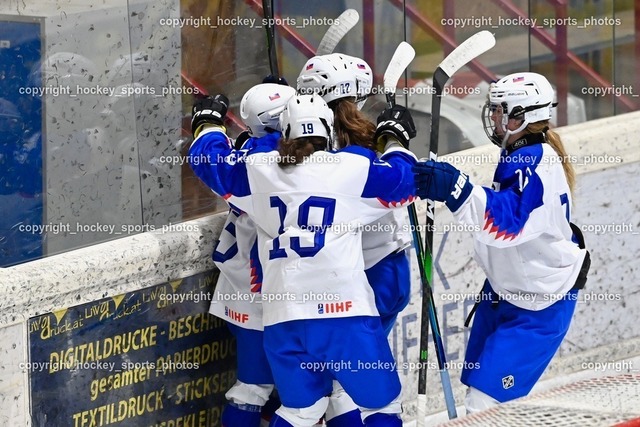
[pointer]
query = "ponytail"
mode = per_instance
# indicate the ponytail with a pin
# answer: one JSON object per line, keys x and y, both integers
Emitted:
{"x": 351, "y": 126}
{"x": 553, "y": 139}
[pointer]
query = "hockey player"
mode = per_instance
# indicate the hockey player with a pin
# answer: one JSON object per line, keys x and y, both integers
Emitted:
{"x": 236, "y": 257}
{"x": 308, "y": 203}
{"x": 345, "y": 82}
{"x": 524, "y": 242}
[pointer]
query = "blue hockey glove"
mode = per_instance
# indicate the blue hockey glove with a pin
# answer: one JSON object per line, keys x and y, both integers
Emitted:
{"x": 209, "y": 110}
{"x": 442, "y": 182}
{"x": 396, "y": 122}
{"x": 274, "y": 79}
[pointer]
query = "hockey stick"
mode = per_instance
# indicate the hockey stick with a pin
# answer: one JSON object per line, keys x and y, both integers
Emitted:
{"x": 403, "y": 55}
{"x": 267, "y": 11}
{"x": 400, "y": 60}
{"x": 471, "y": 48}
{"x": 341, "y": 26}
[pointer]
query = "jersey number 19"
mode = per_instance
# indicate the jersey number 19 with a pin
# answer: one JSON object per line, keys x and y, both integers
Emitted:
{"x": 328, "y": 207}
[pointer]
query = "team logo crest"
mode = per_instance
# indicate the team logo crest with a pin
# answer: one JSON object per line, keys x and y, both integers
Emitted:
{"x": 508, "y": 382}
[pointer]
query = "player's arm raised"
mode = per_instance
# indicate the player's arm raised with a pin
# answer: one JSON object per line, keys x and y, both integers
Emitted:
{"x": 211, "y": 155}
{"x": 390, "y": 177}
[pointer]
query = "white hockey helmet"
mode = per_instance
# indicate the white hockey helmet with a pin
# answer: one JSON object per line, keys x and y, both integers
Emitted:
{"x": 364, "y": 79}
{"x": 261, "y": 106}
{"x": 307, "y": 115}
{"x": 329, "y": 76}
{"x": 525, "y": 96}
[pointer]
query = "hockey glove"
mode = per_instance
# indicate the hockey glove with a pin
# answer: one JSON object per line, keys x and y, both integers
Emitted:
{"x": 241, "y": 139}
{"x": 397, "y": 123}
{"x": 442, "y": 182}
{"x": 274, "y": 79}
{"x": 210, "y": 110}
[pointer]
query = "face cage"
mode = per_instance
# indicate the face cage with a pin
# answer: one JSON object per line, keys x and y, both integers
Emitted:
{"x": 361, "y": 94}
{"x": 361, "y": 99}
{"x": 488, "y": 124}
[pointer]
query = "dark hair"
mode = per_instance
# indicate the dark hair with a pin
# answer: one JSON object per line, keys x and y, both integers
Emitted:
{"x": 294, "y": 151}
{"x": 351, "y": 126}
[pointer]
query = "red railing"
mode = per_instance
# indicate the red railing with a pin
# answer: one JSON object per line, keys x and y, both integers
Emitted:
{"x": 446, "y": 37}
{"x": 564, "y": 58}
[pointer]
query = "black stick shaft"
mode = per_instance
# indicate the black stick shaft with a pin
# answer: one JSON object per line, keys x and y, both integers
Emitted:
{"x": 429, "y": 318}
{"x": 267, "y": 8}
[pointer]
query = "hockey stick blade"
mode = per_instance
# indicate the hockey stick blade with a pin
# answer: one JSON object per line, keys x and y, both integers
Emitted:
{"x": 400, "y": 60}
{"x": 471, "y": 48}
{"x": 341, "y": 26}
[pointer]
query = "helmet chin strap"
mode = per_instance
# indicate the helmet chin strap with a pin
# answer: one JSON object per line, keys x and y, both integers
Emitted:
{"x": 508, "y": 133}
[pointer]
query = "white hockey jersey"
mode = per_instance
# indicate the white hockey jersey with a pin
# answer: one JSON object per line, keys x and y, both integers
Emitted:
{"x": 523, "y": 240}
{"x": 309, "y": 219}
{"x": 237, "y": 297}
{"x": 385, "y": 236}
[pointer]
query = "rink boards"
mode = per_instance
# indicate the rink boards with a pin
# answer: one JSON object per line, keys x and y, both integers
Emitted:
{"x": 92, "y": 296}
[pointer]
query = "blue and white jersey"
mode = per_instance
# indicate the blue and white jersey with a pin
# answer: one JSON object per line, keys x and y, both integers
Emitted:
{"x": 387, "y": 235}
{"x": 237, "y": 297}
{"x": 523, "y": 240}
{"x": 309, "y": 219}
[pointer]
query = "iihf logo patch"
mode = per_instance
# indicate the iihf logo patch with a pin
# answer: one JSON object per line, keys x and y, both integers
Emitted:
{"x": 320, "y": 308}
{"x": 508, "y": 382}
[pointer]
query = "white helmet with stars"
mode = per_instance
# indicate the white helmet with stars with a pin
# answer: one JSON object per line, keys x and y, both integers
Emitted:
{"x": 525, "y": 96}
{"x": 307, "y": 115}
{"x": 330, "y": 76}
{"x": 261, "y": 106}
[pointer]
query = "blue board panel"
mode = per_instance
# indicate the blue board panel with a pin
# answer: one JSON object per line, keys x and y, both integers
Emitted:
{"x": 21, "y": 157}
{"x": 153, "y": 357}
